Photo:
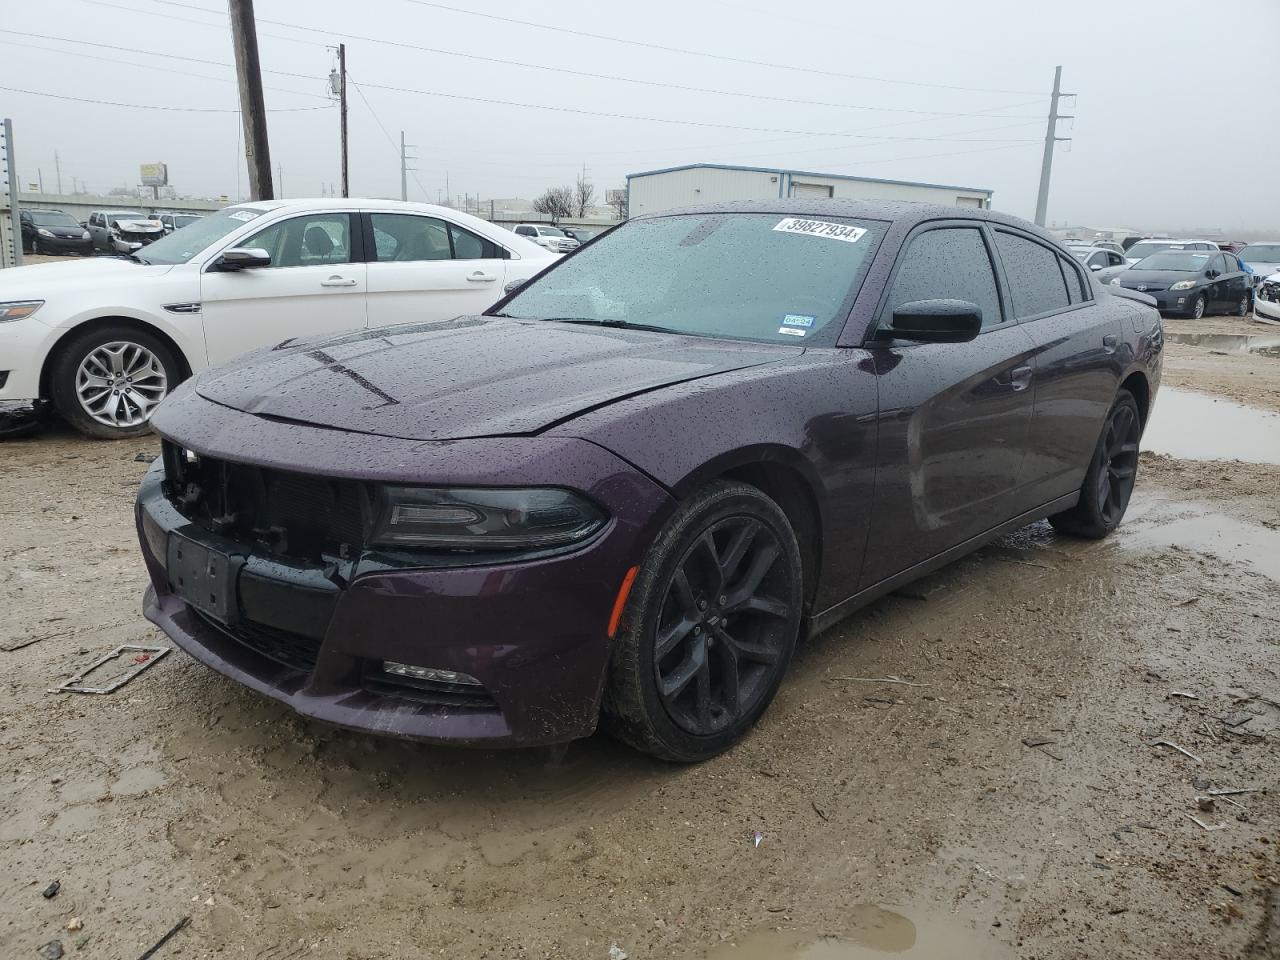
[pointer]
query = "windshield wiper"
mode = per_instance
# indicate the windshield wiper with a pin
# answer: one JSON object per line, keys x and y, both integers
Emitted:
{"x": 621, "y": 324}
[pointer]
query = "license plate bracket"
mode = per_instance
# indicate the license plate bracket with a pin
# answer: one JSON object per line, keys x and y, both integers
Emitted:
{"x": 205, "y": 577}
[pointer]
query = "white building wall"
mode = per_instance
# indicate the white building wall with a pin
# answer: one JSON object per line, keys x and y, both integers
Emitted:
{"x": 657, "y": 192}
{"x": 680, "y": 188}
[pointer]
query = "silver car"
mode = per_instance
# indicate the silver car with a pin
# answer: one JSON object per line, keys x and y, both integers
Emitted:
{"x": 1263, "y": 258}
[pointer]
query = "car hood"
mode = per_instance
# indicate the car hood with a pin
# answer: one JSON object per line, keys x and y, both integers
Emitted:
{"x": 1132, "y": 278}
{"x": 139, "y": 226}
{"x": 1263, "y": 268}
{"x": 60, "y": 230}
{"x": 39, "y": 281}
{"x": 469, "y": 377}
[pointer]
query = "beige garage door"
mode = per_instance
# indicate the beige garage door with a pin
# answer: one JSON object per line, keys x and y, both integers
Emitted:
{"x": 810, "y": 189}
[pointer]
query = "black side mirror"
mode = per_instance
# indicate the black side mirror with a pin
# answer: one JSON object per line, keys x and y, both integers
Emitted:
{"x": 1211, "y": 274}
{"x": 937, "y": 321}
{"x": 242, "y": 258}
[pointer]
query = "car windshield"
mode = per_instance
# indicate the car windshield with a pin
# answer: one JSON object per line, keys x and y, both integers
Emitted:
{"x": 1261, "y": 253}
{"x": 1181, "y": 261}
{"x": 550, "y": 232}
{"x": 181, "y": 245}
{"x": 1081, "y": 253}
{"x": 762, "y": 277}
{"x": 1147, "y": 247}
{"x": 53, "y": 218}
{"x": 185, "y": 221}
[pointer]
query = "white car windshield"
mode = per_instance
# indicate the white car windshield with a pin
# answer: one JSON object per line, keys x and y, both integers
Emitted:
{"x": 181, "y": 245}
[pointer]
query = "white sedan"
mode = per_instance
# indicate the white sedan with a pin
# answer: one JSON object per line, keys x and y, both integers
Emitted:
{"x": 106, "y": 339}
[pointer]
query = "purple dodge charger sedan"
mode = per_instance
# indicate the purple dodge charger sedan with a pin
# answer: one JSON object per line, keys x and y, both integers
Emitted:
{"x": 622, "y": 494}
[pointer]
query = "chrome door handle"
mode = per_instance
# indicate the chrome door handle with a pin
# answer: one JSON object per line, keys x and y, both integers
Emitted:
{"x": 479, "y": 277}
{"x": 1020, "y": 378}
{"x": 336, "y": 281}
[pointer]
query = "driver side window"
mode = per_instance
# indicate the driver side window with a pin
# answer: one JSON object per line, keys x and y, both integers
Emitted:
{"x": 313, "y": 240}
{"x": 950, "y": 263}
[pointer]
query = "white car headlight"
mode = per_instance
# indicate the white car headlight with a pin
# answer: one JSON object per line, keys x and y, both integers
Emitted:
{"x": 18, "y": 309}
{"x": 1183, "y": 285}
{"x": 44, "y": 233}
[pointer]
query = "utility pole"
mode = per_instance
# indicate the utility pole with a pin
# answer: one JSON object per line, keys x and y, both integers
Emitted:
{"x": 1050, "y": 138}
{"x": 342, "y": 99}
{"x": 280, "y": 180}
{"x": 253, "y": 111}
{"x": 57, "y": 165}
{"x": 12, "y": 188}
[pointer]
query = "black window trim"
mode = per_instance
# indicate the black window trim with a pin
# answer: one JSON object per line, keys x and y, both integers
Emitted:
{"x": 1087, "y": 282}
{"x": 927, "y": 226}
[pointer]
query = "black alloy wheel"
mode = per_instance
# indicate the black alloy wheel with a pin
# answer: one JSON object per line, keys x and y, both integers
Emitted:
{"x": 722, "y": 630}
{"x": 710, "y": 626}
{"x": 1108, "y": 484}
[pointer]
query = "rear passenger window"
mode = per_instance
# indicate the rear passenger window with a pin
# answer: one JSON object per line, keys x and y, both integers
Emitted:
{"x": 1036, "y": 284}
{"x": 1074, "y": 288}
{"x": 947, "y": 264}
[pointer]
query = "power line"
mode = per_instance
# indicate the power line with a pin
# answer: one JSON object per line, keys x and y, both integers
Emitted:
{"x": 146, "y": 66}
{"x": 596, "y": 76}
{"x": 702, "y": 53}
{"x": 385, "y": 132}
{"x": 150, "y": 106}
{"x": 201, "y": 23}
{"x": 684, "y": 123}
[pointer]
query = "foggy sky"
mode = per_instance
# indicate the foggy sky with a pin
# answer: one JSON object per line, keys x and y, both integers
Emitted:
{"x": 1162, "y": 136}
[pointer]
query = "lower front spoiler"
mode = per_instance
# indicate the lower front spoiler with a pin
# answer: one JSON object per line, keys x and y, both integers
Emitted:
{"x": 355, "y": 709}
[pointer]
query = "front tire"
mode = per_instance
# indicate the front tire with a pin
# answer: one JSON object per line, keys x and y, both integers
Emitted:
{"x": 1242, "y": 308}
{"x": 1108, "y": 483}
{"x": 709, "y": 628}
{"x": 1198, "y": 308}
{"x": 107, "y": 382}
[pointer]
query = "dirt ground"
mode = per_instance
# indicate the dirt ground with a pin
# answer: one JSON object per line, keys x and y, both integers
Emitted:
{"x": 1011, "y": 800}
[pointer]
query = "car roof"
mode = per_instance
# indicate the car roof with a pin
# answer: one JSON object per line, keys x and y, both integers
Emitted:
{"x": 892, "y": 210}
{"x": 345, "y": 203}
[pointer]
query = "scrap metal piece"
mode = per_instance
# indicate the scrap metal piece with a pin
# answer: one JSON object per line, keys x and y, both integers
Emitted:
{"x": 144, "y": 657}
{"x": 1174, "y": 746}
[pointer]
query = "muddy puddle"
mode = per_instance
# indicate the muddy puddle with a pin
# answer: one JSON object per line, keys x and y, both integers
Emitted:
{"x": 1266, "y": 345}
{"x": 874, "y": 932}
{"x": 1195, "y": 426}
{"x": 1198, "y": 528}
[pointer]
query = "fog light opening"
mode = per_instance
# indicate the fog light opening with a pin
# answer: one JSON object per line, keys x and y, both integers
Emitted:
{"x": 428, "y": 673}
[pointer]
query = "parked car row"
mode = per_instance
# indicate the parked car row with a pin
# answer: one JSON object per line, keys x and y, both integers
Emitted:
{"x": 105, "y": 231}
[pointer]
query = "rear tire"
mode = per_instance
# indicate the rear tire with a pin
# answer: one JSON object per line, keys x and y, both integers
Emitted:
{"x": 85, "y": 395}
{"x": 1108, "y": 483}
{"x": 709, "y": 628}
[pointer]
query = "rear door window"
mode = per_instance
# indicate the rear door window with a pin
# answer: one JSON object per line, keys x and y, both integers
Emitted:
{"x": 1075, "y": 288}
{"x": 951, "y": 263}
{"x": 1036, "y": 282}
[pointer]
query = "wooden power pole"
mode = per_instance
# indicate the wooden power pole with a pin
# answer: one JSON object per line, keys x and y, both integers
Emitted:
{"x": 342, "y": 98}
{"x": 253, "y": 112}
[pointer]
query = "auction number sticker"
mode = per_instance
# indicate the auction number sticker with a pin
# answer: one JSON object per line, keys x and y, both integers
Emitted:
{"x": 245, "y": 215}
{"x": 821, "y": 228}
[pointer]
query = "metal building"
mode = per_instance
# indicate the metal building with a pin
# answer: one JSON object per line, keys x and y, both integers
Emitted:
{"x": 656, "y": 190}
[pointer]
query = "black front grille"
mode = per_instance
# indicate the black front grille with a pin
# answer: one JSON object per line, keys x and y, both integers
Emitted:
{"x": 284, "y": 647}
{"x": 289, "y": 514}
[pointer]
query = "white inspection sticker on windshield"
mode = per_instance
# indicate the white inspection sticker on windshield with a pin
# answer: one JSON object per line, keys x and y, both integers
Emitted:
{"x": 245, "y": 215}
{"x": 821, "y": 228}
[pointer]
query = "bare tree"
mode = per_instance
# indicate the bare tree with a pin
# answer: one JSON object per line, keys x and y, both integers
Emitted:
{"x": 556, "y": 203}
{"x": 584, "y": 194}
{"x": 618, "y": 200}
